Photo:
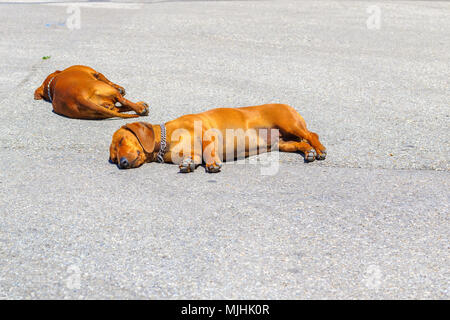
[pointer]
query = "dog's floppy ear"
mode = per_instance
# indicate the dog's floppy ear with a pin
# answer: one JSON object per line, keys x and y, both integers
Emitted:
{"x": 39, "y": 93}
{"x": 145, "y": 134}
{"x": 112, "y": 153}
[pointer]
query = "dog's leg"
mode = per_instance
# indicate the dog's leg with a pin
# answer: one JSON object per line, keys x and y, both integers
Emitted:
{"x": 299, "y": 130}
{"x": 293, "y": 128}
{"x": 111, "y": 106}
{"x": 102, "y": 78}
{"x": 141, "y": 108}
{"x": 295, "y": 146}
{"x": 123, "y": 109}
{"x": 320, "y": 149}
{"x": 103, "y": 112}
{"x": 190, "y": 163}
{"x": 213, "y": 163}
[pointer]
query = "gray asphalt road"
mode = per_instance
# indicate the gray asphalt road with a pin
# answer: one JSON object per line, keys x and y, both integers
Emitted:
{"x": 371, "y": 221}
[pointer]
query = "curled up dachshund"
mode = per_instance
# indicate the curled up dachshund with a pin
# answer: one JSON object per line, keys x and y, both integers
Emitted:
{"x": 80, "y": 92}
{"x": 214, "y": 136}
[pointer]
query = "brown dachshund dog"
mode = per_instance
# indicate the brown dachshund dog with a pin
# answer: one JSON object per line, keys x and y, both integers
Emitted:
{"x": 215, "y": 136}
{"x": 80, "y": 92}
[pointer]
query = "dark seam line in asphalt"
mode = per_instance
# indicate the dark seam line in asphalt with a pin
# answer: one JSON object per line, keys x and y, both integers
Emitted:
{"x": 27, "y": 78}
{"x": 22, "y": 82}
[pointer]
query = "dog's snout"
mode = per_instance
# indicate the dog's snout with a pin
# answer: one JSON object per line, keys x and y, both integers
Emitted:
{"x": 124, "y": 163}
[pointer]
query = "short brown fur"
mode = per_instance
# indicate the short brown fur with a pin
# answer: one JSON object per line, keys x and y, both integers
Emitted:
{"x": 294, "y": 136}
{"x": 80, "y": 92}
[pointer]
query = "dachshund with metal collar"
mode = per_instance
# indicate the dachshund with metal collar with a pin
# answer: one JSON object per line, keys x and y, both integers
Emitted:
{"x": 80, "y": 92}
{"x": 214, "y": 136}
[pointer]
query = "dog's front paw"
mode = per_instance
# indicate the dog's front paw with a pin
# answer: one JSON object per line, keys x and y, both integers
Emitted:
{"x": 322, "y": 155}
{"x": 310, "y": 155}
{"x": 144, "y": 110}
{"x": 213, "y": 167}
{"x": 187, "y": 165}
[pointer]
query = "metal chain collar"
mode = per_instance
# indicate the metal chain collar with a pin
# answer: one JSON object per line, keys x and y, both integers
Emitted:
{"x": 48, "y": 89}
{"x": 161, "y": 152}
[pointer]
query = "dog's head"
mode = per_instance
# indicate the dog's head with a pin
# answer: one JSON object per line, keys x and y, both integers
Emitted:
{"x": 132, "y": 145}
{"x": 42, "y": 91}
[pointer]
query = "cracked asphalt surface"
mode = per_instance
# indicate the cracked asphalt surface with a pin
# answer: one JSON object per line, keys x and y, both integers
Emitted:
{"x": 371, "y": 221}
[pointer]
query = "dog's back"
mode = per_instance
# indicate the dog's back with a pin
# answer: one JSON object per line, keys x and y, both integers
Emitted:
{"x": 262, "y": 116}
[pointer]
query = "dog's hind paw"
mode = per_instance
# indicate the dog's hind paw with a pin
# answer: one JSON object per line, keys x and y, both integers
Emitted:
{"x": 145, "y": 108}
{"x": 322, "y": 155}
{"x": 310, "y": 155}
{"x": 213, "y": 167}
{"x": 187, "y": 165}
